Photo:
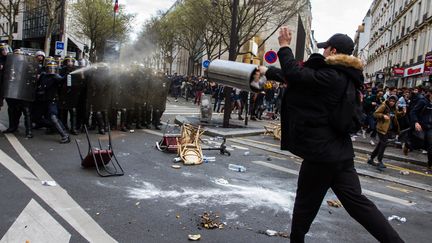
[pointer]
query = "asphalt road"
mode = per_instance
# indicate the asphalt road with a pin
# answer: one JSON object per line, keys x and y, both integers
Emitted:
{"x": 154, "y": 202}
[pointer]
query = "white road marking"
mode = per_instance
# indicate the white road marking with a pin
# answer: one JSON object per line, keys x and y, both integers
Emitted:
{"x": 388, "y": 198}
{"x": 181, "y": 113}
{"x": 153, "y": 132}
{"x": 39, "y": 172}
{"x": 35, "y": 224}
{"x": 56, "y": 197}
{"x": 367, "y": 192}
{"x": 276, "y": 167}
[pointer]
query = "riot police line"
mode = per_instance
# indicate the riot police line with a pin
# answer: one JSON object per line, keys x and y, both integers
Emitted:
{"x": 64, "y": 97}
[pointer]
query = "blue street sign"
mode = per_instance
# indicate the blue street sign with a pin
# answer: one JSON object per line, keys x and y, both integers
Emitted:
{"x": 59, "y": 45}
{"x": 206, "y": 64}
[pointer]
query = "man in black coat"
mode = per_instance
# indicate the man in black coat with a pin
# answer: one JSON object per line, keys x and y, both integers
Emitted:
{"x": 314, "y": 90}
{"x": 421, "y": 118}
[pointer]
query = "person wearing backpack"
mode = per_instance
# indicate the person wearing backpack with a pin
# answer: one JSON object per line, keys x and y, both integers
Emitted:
{"x": 324, "y": 84}
{"x": 421, "y": 118}
{"x": 387, "y": 127}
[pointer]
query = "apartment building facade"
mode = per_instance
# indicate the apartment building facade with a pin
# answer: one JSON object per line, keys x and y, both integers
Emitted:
{"x": 399, "y": 42}
{"x": 17, "y": 31}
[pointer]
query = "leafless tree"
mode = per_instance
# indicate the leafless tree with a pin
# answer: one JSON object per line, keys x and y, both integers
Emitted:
{"x": 9, "y": 9}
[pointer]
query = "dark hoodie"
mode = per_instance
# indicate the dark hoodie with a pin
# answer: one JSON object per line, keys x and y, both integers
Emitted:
{"x": 313, "y": 90}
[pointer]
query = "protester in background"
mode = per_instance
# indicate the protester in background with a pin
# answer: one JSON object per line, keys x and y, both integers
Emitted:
{"x": 218, "y": 96}
{"x": 421, "y": 118}
{"x": 199, "y": 89}
{"x": 378, "y": 101}
{"x": 387, "y": 128}
{"x": 237, "y": 104}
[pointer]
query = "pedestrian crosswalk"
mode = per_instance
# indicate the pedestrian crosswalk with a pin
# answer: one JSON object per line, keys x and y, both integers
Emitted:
{"x": 173, "y": 109}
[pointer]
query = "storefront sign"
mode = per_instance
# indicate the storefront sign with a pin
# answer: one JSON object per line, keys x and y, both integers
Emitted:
{"x": 428, "y": 64}
{"x": 415, "y": 70}
{"x": 398, "y": 71}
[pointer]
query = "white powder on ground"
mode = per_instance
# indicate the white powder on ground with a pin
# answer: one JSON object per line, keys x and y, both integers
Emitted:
{"x": 225, "y": 194}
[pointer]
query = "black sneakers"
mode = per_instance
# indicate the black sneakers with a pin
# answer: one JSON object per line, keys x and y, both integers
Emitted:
{"x": 381, "y": 166}
{"x": 371, "y": 162}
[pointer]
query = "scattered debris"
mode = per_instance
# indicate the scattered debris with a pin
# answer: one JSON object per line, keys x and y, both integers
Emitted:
{"x": 334, "y": 203}
{"x": 274, "y": 233}
{"x": 177, "y": 216}
{"x": 238, "y": 168}
{"x": 176, "y": 166}
{"x": 49, "y": 183}
{"x": 211, "y": 221}
{"x": 194, "y": 237}
{"x": 271, "y": 232}
{"x": 404, "y": 172}
{"x": 177, "y": 160}
{"x": 246, "y": 153}
{"x": 221, "y": 181}
{"x": 239, "y": 147}
{"x": 138, "y": 203}
{"x": 209, "y": 158}
{"x": 97, "y": 213}
{"x": 131, "y": 131}
{"x": 269, "y": 159}
{"x": 121, "y": 154}
{"x": 395, "y": 217}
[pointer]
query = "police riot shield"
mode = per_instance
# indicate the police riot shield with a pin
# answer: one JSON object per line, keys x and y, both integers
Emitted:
{"x": 99, "y": 88}
{"x": 160, "y": 91}
{"x": 20, "y": 77}
{"x": 141, "y": 80}
{"x": 124, "y": 88}
{"x": 70, "y": 91}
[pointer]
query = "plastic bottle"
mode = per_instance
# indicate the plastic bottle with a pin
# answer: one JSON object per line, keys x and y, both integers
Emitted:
{"x": 238, "y": 168}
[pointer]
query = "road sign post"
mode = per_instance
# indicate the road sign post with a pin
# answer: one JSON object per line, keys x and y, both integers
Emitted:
{"x": 206, "y": 64}
{"x": 59, "y": 49}
{"x": 271, "y": 57}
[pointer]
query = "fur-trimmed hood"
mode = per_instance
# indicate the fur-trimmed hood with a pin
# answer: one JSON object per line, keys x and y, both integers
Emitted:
{"x": 345, "y": 60}
{"x": 351, "y": 66}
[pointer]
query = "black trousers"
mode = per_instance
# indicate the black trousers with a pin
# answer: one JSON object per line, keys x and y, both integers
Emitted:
{"x": 381, "y": 146}
{"x": 315, "y": 179}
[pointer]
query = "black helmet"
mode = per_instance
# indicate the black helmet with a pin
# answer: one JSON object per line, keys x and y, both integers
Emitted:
{"x": 4, "y": 46}
{"x": 48, "y": 59}
{"x": 52, "y": 67}
{"x": 68, "y": 59}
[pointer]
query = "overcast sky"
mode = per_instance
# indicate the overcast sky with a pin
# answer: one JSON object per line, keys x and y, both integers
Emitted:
{"x": 329, "y": 16}
{"x": 337, "y": 16}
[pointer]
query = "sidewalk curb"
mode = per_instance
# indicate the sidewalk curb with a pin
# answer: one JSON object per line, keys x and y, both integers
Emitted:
{"x": 359, "y": 171}
{"x": 180, "y": 120}
{"x": 216, "y": 133}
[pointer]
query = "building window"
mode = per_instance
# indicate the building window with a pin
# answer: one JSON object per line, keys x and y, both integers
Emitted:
{"x": 419, "y": 10}
{"x": 15, "y": 27}
{"x": 414, "y": 48}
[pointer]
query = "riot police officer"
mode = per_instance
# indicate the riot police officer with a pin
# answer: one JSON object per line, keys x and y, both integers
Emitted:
{"x": 19, "y": 71}
{"x": 3, "y": 56}
{"x": 48, "y": 85}
{"x": 69, "y": 94}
